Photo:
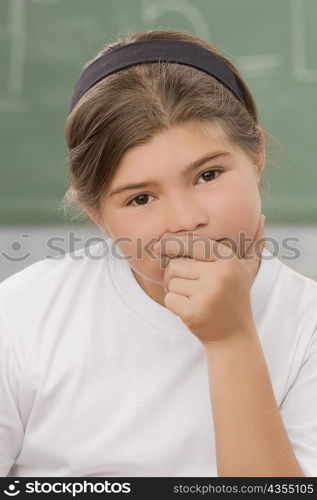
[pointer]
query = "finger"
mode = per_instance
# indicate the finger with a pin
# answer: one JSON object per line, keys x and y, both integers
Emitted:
{"x": 182, "y": 286}
{"x": 181, "y": 267}
{"x": 195, "y": 247}
{"x": 176, "y": 303}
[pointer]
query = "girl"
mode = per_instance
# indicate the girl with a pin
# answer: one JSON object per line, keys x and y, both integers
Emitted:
{"x": 182, "y": 346}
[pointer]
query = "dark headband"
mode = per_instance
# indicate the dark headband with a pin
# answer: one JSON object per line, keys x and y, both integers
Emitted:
{"x": 155, "y": 50}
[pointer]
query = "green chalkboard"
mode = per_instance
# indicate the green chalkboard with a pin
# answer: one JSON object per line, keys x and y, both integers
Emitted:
{"x": 44, "y": 44}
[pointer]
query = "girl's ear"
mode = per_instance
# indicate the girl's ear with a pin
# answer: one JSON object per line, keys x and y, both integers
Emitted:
{"x": 260, "y": 162}
{"x": 94, "y": 216}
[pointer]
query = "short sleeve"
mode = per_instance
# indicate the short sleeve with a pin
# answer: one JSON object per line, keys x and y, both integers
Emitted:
{"x": 299, "y": 411}
{"x": 11, "y": 428}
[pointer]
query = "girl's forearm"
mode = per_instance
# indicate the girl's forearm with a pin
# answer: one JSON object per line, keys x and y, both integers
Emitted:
{"x": 250, "y": 436}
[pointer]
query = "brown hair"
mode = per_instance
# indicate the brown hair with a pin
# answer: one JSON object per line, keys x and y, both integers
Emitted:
{"x": 129, "y": 107}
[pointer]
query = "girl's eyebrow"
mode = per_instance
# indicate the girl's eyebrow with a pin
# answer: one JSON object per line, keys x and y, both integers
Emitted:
{"x": 151, "y": 183}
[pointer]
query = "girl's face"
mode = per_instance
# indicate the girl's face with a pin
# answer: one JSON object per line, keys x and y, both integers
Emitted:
{"x": 218, "y": 198}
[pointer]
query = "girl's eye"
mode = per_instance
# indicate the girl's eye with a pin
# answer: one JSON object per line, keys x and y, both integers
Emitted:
{"x": 138, "y": 198}
{"x": 142, "y": 195}
{"x": 212, "y": 171}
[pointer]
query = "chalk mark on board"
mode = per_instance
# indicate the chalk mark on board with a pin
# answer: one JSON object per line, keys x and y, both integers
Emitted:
{"x": 15, "y": 30}
{"x": 151, "y": 11}
{"x": 298, "y": 33}
{"x": 45, "y": 1}
{"x": 259, "y": 65}
{"x": 254, "y": 66}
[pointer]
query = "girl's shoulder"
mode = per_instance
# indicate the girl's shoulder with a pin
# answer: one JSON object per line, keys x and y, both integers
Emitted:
{"x": 297, "y": 279}
{"x": 285, "y": 271}
{"x": 284, "y": 292}
{"x": 37, "y": 299}
{"x": 38, "y": 278}
{"x": 294, "y": 292}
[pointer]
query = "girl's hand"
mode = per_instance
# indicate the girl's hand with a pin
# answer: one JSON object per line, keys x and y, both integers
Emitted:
{"x": 212, "y": 295}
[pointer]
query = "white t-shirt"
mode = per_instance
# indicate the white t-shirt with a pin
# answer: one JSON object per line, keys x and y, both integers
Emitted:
{"x": 98, "y": 379}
